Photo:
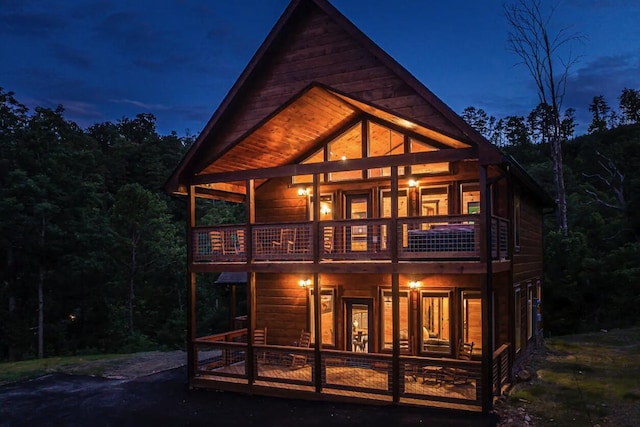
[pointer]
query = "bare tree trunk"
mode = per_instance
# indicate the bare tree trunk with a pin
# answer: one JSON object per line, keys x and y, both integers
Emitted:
{"x": 529, "y": 39}
{"x": 41, "y": 313}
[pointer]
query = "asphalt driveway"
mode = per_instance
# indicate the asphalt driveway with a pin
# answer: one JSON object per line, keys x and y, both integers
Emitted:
{"x": 163, "y": 399}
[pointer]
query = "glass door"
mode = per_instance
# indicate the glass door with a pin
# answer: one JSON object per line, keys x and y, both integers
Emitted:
{"x": 359, "y": 324}
{"x": 357, "y": 207}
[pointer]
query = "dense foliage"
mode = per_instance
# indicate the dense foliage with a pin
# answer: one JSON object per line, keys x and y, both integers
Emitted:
{"x": 93, "y": 252}
{"x": 88, "y": 239}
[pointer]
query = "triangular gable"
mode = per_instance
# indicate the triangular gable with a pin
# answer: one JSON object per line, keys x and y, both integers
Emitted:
{"x": 313, "y": 42}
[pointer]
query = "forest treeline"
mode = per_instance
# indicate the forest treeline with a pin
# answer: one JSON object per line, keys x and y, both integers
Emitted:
{"x": 92, "y": 251}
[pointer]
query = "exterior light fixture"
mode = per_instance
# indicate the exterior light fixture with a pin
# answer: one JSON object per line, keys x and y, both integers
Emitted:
{"x": 413, "y": 183}
{"x": 303, "y": 191}
{"x": 414, "y": 284}
{"x": 305, "y": 283}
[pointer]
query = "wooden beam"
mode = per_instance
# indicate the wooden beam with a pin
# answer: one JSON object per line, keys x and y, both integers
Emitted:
{"x": 447, "y": 155}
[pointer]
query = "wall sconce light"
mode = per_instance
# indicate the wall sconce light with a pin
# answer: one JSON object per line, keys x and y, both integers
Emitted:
{"x": 413, "y": 183}
{"x": 414, "y": 284}
{"x": 324, "y": 209}
{"x": 303, "y": 191}
{"x": 305, "y": 283}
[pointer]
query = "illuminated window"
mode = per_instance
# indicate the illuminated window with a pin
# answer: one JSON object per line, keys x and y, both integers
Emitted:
{"x": 347, "y": 146}
{"x": 387, "y": 320}
{"x": 470, "y": 193}
{"x": 384, "y": 142}
{"x": 317, "y": 157}
{"x": 327, "y": 320}
{"x": 472, "y": 319}
{"x": 427, "y": 168}
{"x": 434, "y": 201}
{"x": 436, "y": 324}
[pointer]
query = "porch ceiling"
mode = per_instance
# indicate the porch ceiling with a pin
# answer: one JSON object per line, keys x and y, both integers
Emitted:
{"x": 304, "y": 124}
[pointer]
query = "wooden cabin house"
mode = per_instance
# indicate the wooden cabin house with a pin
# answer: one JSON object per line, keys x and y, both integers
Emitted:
{"x": 391, "y": 253}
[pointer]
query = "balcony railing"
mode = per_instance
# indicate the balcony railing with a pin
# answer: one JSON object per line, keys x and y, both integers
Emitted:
{"x": 420, "y": 238}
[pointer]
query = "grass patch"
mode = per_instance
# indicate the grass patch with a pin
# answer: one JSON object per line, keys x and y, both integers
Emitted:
{"x": 87, "y": 365}
{"x": 585, "y": 379}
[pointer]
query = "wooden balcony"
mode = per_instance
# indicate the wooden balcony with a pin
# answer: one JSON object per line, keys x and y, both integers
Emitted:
{"x": 454, "y": 237}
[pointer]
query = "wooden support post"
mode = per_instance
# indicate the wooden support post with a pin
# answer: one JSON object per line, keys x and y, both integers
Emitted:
{"x": 316, "y": 236}
{"x": 487, "y": 295}
{"x": 251, "y": 326}
{"x": 191, "y": 290}
{"x": 395, "y": 285}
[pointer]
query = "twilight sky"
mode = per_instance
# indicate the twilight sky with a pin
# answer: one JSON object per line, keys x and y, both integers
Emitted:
{"x": 177, "y": 59}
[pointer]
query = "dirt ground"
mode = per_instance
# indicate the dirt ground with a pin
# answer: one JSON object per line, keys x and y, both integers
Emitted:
{"x": 151, "y": 389}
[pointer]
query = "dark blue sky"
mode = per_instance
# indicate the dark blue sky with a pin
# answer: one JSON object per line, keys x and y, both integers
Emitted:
{"x": 104, "y": 60}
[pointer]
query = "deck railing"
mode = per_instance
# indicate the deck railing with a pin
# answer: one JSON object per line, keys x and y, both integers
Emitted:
{"x": 419, "y": 238}
{"x": 499, "y": 237}
{"x": 501, "y": 369}
{"x": 422, "y": 381}
{"x": 455, "y": 236}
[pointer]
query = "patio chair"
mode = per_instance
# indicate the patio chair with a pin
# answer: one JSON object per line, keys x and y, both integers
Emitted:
{"x": 328, "y": 240}
{"x": 217, "y": 242}
{"x": 287, "y": 242}
{"x": 458, "y": 376}
{"x": 300, "y": 360}
{"x": 239, "y": 242}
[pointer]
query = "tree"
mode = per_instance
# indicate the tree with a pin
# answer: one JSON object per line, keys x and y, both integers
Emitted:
{"x": 600, "y": 113}
{"x": 530, "y": 39}
{"x": 630, "y": 106}
{"x": 144, "y": 238}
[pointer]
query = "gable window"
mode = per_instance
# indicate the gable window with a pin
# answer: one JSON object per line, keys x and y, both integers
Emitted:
{"x": 428, "y": 168}
{"x": 387, "y": 320}
{"x": 347, "y": 146}
{"x": 327, "y": 317}
{"x": 317, "y": 157}
{"x": 436, "y": 324}
{"x": 384, "y": 142}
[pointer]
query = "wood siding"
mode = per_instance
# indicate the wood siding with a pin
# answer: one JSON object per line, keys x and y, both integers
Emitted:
{"x": 323, "y": 52}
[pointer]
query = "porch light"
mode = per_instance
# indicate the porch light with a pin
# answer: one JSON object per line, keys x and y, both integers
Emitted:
{"x": 414, "y": 284}
{"x": 303, "y": 191}
{"x": 325, "y": 209}
{"x": 305, "y": 283}
{"x": 413, "y": 183}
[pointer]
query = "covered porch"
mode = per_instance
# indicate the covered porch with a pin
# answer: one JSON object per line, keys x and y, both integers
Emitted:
{"x": 228, "y": 361}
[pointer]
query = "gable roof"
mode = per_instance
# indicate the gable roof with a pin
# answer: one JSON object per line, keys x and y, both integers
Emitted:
{"x": 316, "y": 58}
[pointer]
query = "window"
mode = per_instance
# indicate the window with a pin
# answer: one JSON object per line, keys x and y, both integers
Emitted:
{"x": 472, "y": 319}
{"x": 317, "y": 157}
{"x": 384, "y": 142}
{"x": 530, "y": 314}
{"x": 428, "y": 168}
{"x": 385, "y": 212}
{"x": 517, "y": 316}
{"x": 346, "y": 146}
{"x": 387, "y": 320}
{"x": 327, "y": 320}
{"x": 326, "y": 207}
{"x": 434, "y": 201}
{"x": 436, "y": 326}
{"x": 470, "y": 193}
